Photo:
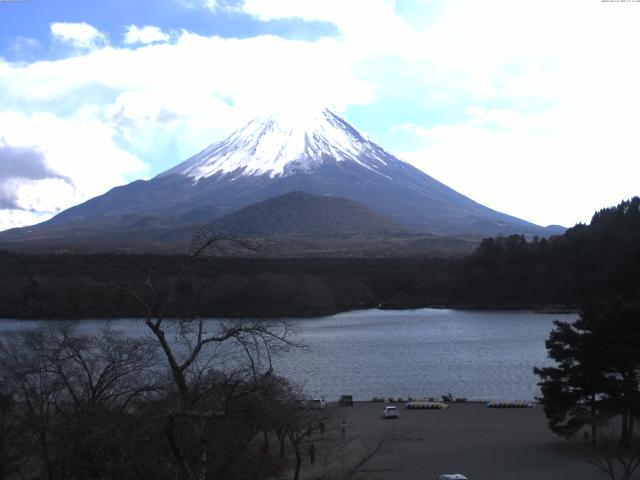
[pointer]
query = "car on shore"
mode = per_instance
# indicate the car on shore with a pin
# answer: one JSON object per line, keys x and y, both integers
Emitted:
{"x": 390, "y": 411}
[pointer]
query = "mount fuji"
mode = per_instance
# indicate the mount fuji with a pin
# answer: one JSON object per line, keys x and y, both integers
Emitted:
{"x": 316, "y": 153}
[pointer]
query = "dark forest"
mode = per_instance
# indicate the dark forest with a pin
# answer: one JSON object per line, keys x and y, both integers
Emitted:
{"x": 563, "y": 272}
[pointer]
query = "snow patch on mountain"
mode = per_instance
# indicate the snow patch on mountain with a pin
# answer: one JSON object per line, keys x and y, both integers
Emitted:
{"x": 284, "y": 143}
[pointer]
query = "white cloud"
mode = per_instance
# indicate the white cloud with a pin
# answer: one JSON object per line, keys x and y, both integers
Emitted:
{"x": 211, "y": 5}
{"x": 144, "y": 35}
{"x": 564, "y": 144}
{"x": 548, "y": 93}
{"x": 81, "y": 157}
{"x": 81, "y": 35}
{"x": 368, "y": 28}
{"x": 540, "y": 167}
{"x": 20, "y": 218}
{"x": 253, "y": 73}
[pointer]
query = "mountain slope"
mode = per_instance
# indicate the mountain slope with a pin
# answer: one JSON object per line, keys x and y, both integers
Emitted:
{"x": 319, "y": 153}
{"x": 304, "y": 215}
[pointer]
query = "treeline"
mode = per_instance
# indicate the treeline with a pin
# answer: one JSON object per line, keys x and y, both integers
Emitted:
{"x": 86, "y": 286}
{"x": 589, "y": 261}
{"x": 599, "y": 260}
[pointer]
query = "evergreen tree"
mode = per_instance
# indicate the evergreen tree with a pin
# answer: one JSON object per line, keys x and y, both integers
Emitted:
{"x": 571, "y": 390}
{"x": 596, "y": 376}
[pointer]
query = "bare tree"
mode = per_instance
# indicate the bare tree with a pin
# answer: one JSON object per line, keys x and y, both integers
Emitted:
{"x": 11, "y": 437}
{"x": 101, "y": 376}
{"x": 69, "y": 392}
{"x": 617, "y": 459}
{"x": 197, "y": 348}
{"x": 349, "y": 457}
{"x": 187, "y": 401}
{"x": 109, "y": 369}
{"x": 37, "y": 394}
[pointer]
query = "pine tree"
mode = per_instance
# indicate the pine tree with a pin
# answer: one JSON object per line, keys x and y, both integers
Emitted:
{"x": 597, "y": 370}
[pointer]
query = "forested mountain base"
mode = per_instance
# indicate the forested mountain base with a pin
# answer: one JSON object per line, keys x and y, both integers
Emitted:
{"x": 86, "y": 286}
{"x": 588, "y": 262}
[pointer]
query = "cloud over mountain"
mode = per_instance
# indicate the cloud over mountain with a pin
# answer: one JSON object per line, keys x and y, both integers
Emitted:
{"x": 433, "y": 65}
{"x": 19, "y": 167}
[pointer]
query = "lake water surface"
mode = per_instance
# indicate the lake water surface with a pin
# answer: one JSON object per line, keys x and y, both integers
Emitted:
{"x": 425, "y": 352}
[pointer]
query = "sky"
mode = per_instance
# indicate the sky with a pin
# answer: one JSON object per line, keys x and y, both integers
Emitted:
{"x": 528, "y": 107}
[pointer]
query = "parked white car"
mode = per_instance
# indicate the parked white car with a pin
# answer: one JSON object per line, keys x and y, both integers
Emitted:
{"x": 390, "y": 411}
{"x": 452, "y": 476}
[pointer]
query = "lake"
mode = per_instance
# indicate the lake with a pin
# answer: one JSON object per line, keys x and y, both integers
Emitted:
{"x": 426, "y": 352}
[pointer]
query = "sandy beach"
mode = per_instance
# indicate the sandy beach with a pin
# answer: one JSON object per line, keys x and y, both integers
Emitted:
{"x": 468, "y": 438}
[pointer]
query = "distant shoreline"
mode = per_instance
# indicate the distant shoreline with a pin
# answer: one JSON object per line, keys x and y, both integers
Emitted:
{"x": 93, "y": 286}
{"x": 312, "y": 315}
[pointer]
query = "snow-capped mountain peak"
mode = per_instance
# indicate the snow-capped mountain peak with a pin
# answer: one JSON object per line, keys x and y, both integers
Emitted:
{"x": 316, "y": 153}
{"x": 284, "y": 143}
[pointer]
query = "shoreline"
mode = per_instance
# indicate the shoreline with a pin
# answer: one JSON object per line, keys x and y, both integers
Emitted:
{"x": 303, "y": 315}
